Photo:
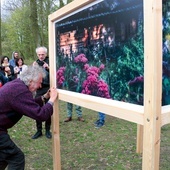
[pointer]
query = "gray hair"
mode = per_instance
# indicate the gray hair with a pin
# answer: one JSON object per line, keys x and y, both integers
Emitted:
{"x": 44, "y": 49}
{"x": 32, "y": 73}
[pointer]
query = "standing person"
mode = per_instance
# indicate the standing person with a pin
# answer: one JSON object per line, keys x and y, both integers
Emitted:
{"x": 70, "y": 110}
{"x": 20, "y": 66}
{"x": 3, "y": 79}
{"x": 6, "y": 68}
{"x": 43, "y": 61}
{"x": 21, "y": 91}
{"x": 12, "y": 61}
{"x": 101, "y": 120}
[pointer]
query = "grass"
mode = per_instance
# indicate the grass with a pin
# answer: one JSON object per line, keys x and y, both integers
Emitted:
{"x": 83, "y": 147}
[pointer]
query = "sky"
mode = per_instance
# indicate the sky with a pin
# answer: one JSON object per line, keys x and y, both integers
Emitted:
{"x": 2, "y": 1}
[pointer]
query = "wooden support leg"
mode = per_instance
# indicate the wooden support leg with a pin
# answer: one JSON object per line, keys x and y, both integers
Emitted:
{"x": 139, "y": 140}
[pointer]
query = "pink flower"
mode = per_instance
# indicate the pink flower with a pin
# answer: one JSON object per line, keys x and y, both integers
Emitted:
{"x": 103, "y": 89}
{"x": 102, "y": 67}
{"x": 93, "y": 85}
{"x": 81, "y": 58}
{"x": 86, "y": 66}
{"x": 75, "y": 79}
{"x": 60, "y": 76}
{"x": 138, "y": 79}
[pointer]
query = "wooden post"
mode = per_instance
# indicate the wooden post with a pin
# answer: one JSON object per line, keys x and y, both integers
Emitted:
{"x": 139, "y": 141}
{"x": 55, "y": 117}
{"x": 152, "y": 83}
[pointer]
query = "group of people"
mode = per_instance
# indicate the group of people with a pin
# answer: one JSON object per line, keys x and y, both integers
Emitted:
{"x": 11, "y": 68}
{"x": 28, "y": 85}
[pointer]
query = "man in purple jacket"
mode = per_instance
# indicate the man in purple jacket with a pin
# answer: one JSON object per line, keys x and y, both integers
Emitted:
{"x": 17, "y": 99}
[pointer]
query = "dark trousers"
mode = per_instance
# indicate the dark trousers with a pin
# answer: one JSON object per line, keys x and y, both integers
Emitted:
{"x": 47, "y": 125}
{"x": 10, "y": 154}
{"x": 41, "y": 92}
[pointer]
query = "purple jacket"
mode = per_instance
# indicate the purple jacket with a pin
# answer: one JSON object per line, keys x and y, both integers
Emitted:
{"x": 16, "y": 100}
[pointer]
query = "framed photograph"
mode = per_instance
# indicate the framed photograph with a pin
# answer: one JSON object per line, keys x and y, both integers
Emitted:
{"x": 99, "y": 50}
{"x": 102, "y": 51}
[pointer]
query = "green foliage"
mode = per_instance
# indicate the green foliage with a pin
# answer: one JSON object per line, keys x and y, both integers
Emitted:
{"x": 129, "y": 65}
{"x": 17, "y": 33}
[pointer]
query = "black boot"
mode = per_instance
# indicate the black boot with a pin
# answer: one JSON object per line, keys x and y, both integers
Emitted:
{"x": 48, "y": 134}
{"x": 39, "y": 130}
{"x": 47, "y": 128}
{"x": 37, "y": 134}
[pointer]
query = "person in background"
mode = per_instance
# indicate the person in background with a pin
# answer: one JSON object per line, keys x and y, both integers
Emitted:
{"x": 12, "y": 61}
{"x": 21, "y": 102}
{"x": 43, "y": 61}
{"x": 3, "y": 79}
{"x": 7, "y": 69}
{"x": 101, "y": 120}
{"x": 20, "y": 66}
{"x": 70, "y": 110}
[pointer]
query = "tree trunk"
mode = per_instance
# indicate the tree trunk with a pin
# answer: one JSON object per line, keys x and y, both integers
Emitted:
{"x": 61, "y": 4}
{"x": 34, "y": 22}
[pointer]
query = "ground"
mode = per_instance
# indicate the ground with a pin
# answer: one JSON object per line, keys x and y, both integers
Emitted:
{"x": 83, "y": 147}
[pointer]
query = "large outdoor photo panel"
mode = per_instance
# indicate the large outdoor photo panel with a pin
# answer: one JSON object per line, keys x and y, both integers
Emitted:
{"x": 100, "y": 50}
{"x": 166, "y": 53}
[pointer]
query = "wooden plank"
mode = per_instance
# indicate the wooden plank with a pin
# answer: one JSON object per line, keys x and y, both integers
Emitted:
{"x": 122, "y": 110}
{"x": 69, "y": 8}
{"x": 55, "y": 117}
{"x": 152, "y": 83}
{"x": 139, "y": 140}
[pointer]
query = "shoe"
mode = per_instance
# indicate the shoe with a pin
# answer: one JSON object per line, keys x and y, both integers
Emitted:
{"x": 37, "y": 135}
{"x": 48, "y": 134}
{"x": 96, "y": 122}
{"x": 68, "y": 119}
{"x": 99, "y": 124}
{"x": 80, "y": 119}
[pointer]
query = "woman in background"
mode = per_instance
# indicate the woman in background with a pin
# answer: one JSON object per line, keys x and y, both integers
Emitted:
{"x": 20, "y": 66}
{"x": 7, "y": 69}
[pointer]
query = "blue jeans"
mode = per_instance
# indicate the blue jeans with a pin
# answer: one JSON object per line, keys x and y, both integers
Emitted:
{"x": 101, "y": 116}
{"x": 70, "y": 110}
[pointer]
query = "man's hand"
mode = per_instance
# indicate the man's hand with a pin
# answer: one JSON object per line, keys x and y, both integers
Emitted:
{"x": 53, "y": 94}
{"x": 45, "y": 65}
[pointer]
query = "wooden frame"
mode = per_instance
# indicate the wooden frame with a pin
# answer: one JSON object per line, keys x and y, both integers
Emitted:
{"x": 149, "y": 117}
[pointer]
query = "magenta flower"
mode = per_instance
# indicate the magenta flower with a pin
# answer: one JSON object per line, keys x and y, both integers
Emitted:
{"x": 60, "y": 76}
{"x": 102, "y": 67}
{"x": 138, "y": 79}
{"x": 86, "y": 66}
{"x": 103, "y": 89}
{"x": 75, "y": 79}
{"x": 93, "y": 85}
{"x": 81, "y": 58}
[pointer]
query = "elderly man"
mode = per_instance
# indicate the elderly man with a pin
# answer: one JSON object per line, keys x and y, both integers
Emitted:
{"x": 43, "y": 61}
{"x": 17, "y": 99}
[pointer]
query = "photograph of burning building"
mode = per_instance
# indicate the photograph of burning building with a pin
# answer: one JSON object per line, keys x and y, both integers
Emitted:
{"x": 99, "y": 50}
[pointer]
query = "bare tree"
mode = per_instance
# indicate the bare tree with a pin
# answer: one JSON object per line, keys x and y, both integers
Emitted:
{"x": 61, "y": 4}
{"x": 68, "y": 1}
{"x": 34, "y": 22}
